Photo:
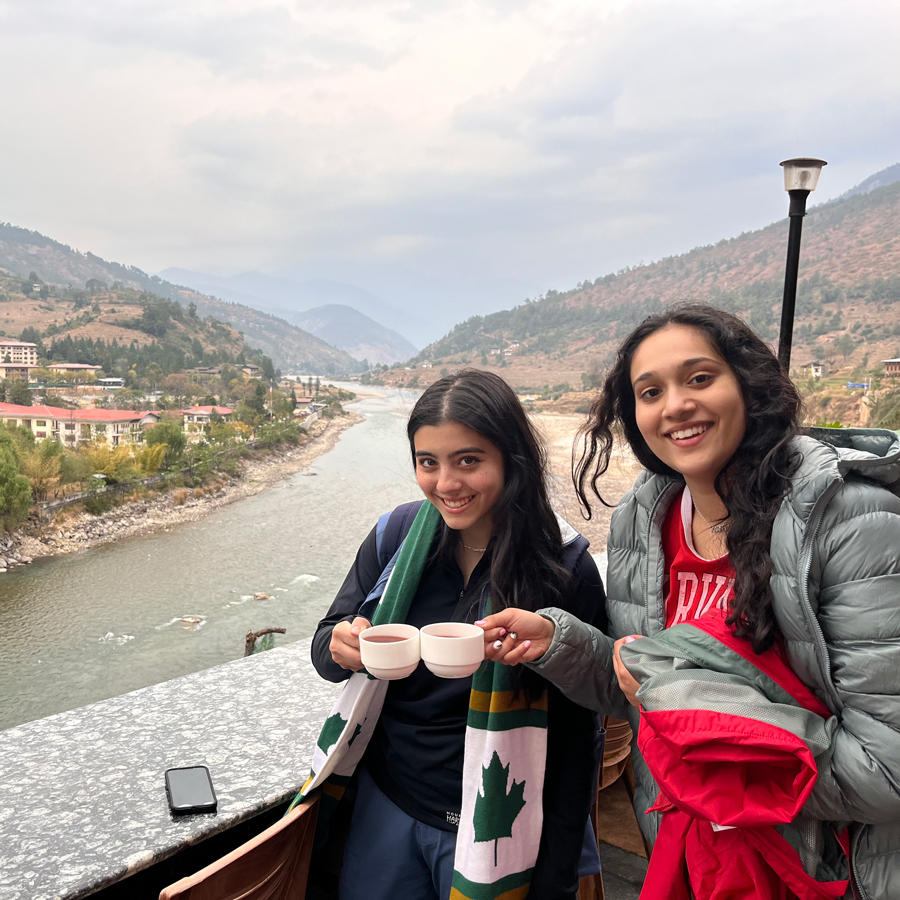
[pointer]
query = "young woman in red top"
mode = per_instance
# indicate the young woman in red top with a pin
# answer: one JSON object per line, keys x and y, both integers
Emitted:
{"x": 802, "y": 523}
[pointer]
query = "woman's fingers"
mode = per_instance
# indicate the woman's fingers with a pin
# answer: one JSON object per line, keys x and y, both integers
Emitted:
{"x": 526, "y": 626}
{"x": 359, "y": 624}
{"x": 525, "y": 638}
{"x": 627, "y": 683}
{"x": 498, "y": 621}
{"x": 344, "y": 644}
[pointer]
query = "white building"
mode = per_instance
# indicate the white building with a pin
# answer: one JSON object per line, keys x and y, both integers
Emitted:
{"x": 198, "y": 417}
{"x": 21, "y": 352}
{"x": 73, "y": 427}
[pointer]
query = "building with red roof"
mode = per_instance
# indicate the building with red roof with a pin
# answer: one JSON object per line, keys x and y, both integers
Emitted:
{"x": 198, "y": 417}
{"x": 73, "y": 427}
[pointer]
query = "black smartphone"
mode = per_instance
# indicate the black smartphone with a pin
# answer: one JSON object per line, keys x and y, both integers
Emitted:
{"x": 190, "y": 790}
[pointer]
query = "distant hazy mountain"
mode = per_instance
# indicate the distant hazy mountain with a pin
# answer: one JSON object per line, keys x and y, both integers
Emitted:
{"x": 289, "y": 347}
{"x": 283, "y": 296}
{"x": 879, "y": 179}
{"x": 355, "y": 333}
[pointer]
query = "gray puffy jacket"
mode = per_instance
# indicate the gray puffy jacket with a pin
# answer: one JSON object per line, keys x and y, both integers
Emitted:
{"x": 836, "y": 582}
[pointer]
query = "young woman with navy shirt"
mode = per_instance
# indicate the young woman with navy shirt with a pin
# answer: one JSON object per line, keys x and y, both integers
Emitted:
{"x": 478, "y": 459}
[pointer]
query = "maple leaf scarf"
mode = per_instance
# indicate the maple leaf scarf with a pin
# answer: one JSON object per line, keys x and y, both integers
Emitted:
{"x": 505, "y": 750}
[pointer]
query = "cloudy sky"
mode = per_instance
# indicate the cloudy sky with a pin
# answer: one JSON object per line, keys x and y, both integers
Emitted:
{"x": 452, "y": 156}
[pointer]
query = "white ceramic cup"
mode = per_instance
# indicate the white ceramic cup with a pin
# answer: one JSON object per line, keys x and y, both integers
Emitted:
{"x": 392, "y": 659}
{"x": 452, "y": 649}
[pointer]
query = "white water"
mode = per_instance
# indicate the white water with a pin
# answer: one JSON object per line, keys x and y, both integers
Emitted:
{"x": 91, "y": 625}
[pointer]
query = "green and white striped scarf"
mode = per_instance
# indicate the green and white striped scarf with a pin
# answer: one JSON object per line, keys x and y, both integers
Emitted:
{"x": 505, "y": 750}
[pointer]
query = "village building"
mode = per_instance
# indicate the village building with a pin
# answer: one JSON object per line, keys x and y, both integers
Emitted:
{"x": 891, "y": 367}
{"x": 814, "y": 369}
{"x": 21, "y": 352}
{"x": 73, "y": 368}
{"x": 15, "y": 370}
{"x": 304, "y": 406}
{"x": 251, "y": 371}
{"x": 198, "y": 417}
{"x": 74, "y": 427}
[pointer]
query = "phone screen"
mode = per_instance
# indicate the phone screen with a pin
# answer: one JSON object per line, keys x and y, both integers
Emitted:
{"x": 190, "y": 788}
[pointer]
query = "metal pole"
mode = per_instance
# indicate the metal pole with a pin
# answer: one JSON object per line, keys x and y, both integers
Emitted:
{"x": 796, "y": 213}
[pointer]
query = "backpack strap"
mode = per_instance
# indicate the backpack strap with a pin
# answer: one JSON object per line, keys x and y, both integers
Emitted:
{"x": 390, "y": 533}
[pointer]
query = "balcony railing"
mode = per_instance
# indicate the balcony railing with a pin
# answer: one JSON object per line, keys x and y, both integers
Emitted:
{"x": 86, "y": 787}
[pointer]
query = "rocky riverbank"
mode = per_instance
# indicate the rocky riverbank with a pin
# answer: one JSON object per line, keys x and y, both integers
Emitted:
{"x": 72, "y": 531}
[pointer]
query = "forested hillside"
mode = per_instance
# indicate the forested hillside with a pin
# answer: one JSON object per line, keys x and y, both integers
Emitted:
{"x": 292, "y": 349}
{"x": 848, "y": 307}
{"x": 121, "y": 329}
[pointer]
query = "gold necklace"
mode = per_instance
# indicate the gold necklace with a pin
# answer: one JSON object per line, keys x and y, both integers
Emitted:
{"x": 718, "y": 528}
{"x": 473, "y": 549}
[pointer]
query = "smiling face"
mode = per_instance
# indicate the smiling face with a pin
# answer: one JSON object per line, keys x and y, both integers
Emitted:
{"x": 688, "y": 403}
{"x": 461, "y": 472}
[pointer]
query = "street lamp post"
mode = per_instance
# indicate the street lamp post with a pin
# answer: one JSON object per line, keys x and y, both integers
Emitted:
{"x": 800, "y": 178}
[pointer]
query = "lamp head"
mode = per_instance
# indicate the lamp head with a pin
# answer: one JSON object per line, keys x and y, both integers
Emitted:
{"x": 802, "y": 174}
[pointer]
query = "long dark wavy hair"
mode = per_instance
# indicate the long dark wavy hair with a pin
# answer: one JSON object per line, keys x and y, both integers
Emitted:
{"x": 526, "y": 570}
{"x": 752, "y": 483}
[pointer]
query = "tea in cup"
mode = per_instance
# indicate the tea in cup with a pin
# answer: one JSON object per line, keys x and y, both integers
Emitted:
{"x": 389, "y": 651}
{"x": 452, "y": 649}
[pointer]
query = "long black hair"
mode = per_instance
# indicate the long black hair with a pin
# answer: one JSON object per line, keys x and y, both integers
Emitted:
{"x": 752, "y": 483}
{"x": 526, "y": 570}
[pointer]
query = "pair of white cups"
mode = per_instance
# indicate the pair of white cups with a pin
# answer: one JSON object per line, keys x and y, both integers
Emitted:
{"x": 449, "y": 649}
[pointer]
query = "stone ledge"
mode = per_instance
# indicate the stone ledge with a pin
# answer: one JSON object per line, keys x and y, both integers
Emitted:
{"x": 84, "y": 800}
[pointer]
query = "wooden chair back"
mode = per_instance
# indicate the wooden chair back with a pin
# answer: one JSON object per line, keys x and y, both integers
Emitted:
{"x": 272, "y": 866}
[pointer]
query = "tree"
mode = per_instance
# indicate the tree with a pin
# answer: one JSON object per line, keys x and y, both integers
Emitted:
{"x": 95, "y": 286}
{"x": 17, "y": 392}
{"x": 257, "y": 401}
{"x": 42, "y": 468}
{"x": 177, "y": 385}
{"x": 114, "y": 463}
{"x": 43, "y": 374}
{"x": 150, "y": 457}
{"x": 844, "y": 345}
{"x": 15, "y": 491}
{"x": 170, "y": 433}
{"x": 153, "y": 375}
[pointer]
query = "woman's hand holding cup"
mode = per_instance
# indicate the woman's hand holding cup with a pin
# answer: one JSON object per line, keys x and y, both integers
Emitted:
{"x": 514, "y": 636}
{"x": 344, "y": 644}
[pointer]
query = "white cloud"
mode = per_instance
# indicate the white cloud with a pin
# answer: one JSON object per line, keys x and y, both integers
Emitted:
{"x": 481, "y": 149}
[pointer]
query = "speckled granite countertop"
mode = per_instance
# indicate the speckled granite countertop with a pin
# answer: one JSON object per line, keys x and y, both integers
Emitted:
{"x": 82, "y": 794}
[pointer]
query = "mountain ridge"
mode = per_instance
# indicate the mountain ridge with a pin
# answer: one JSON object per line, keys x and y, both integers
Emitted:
{"x": 849, "y": 286}
{"x": 23, "y": 251}
{"x": 286, "y": 297}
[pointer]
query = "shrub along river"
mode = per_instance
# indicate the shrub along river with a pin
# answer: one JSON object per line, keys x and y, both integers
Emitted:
{"x": 91, "y": 625}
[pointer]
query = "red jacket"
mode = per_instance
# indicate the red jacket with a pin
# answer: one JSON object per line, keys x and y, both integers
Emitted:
{"x": 730, "y": 737}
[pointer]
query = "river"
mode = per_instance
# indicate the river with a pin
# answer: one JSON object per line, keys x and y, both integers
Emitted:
{"x": 84, "y": 627}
